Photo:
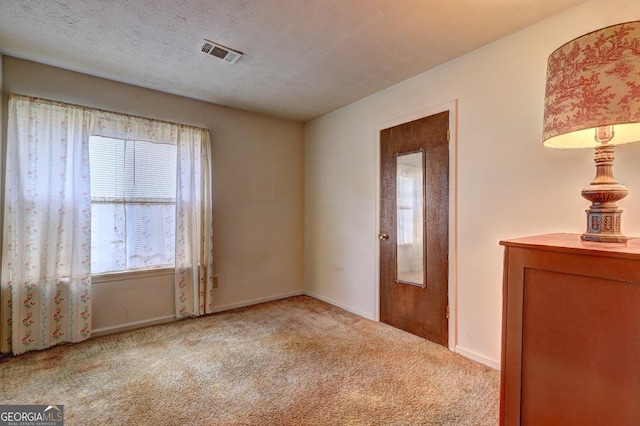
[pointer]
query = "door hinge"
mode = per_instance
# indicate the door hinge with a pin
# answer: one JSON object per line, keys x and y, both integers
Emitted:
{"x": 448, "y": 135}
{"x": 448, "y": 312}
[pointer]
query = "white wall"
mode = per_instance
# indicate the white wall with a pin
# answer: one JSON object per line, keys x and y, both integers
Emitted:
{"x": 508, "y": 184}
{"x": 258, "y": 193}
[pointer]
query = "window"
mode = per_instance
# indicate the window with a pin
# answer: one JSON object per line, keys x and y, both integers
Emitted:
{"x": 133, "y": 204}
{"x": 405, "y": 200}
{"x": 91, "y": 191}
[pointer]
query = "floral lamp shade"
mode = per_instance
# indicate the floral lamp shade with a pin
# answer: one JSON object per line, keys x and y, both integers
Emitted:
{"x": 594, "y": 81}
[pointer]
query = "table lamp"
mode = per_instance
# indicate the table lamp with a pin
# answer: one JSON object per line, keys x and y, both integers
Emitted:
{"x": 593, "y": 100}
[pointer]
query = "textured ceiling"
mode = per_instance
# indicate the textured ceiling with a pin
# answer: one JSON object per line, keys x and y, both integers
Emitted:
{"x": 303, "y": 58}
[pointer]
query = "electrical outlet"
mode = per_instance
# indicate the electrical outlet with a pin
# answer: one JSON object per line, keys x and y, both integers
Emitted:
{"x": 214, "y": 282}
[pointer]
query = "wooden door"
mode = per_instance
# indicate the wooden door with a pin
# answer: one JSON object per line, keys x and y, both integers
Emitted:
{"x": 414, "y": 286}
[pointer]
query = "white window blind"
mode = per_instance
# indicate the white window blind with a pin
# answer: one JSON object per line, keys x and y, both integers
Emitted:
{"x": 133, "y": 190}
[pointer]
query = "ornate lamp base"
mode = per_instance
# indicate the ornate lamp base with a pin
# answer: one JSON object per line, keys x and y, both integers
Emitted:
{"x": 603, "y": 216}
{"x": 603, "y": 225}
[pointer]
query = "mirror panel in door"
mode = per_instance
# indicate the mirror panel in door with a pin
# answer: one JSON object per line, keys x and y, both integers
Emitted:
{"x": 410, "y": 218}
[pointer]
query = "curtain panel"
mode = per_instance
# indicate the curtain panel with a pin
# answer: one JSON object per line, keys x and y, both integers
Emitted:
{"x": 45, "y": 291}
{"x": 194, "y": 225}
{"x": 46, "y": 260}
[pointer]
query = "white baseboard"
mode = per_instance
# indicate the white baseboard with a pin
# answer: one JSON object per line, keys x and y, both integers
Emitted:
{"x": 131, "y": 326}
{"x": 340, "y": 305}
{"x": 478, "y": 357}
{"x": 170, "y": 318}
{"x": 256, "y": 301}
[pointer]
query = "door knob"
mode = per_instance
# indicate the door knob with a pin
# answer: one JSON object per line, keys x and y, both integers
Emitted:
{"x": 383, "y": 236}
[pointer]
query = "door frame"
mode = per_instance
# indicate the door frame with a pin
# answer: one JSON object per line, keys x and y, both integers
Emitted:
{"x": 452, "y": 107}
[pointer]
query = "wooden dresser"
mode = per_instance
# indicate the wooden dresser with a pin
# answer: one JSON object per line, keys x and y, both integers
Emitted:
{"x": 570, "y": 332}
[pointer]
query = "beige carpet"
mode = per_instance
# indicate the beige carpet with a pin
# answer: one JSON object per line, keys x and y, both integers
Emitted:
{"x": 296, "y": 361}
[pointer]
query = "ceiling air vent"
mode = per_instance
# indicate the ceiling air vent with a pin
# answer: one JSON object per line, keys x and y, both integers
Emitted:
{"x": 230, "y": 56}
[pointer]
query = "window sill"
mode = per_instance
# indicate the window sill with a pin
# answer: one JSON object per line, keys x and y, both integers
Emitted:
{"x": 130, "y": 275}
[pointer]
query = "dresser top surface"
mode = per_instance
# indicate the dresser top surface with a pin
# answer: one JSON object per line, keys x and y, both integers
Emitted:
{"x": 572, "y": 242}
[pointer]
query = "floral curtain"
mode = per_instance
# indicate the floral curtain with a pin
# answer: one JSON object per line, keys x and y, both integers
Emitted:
{"x": 194, "y": 224}
{"x": 46, "y": 260}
